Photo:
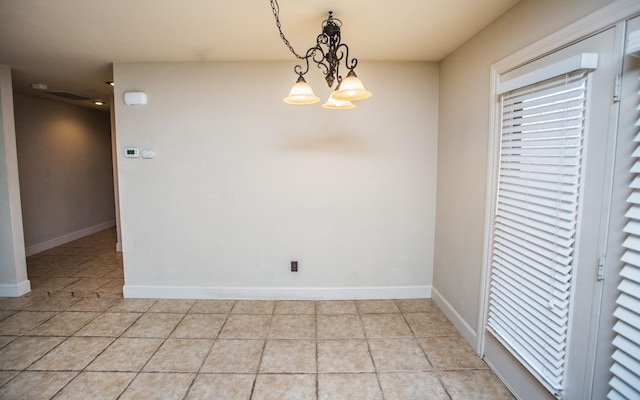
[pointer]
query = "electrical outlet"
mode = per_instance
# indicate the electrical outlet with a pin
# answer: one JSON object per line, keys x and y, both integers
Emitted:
{"x": 294, "y": 266}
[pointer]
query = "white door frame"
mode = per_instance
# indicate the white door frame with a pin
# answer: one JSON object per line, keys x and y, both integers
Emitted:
{"x": 605, "y": 18}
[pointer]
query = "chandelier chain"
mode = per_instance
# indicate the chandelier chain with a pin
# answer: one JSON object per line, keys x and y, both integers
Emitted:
{"x": 275, "y": 7}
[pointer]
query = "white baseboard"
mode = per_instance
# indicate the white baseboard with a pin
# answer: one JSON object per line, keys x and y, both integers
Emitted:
{"x": 467, "y": 332}
{"x": 276, "y": 293}
{"x": 69, "y": 237}
{"x": 119, "y": 247}
{"x": 16, "y": 290}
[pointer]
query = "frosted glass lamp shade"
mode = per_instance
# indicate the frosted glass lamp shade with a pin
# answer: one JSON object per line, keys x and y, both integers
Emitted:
{"x": 334, "y": 104}
{"x": 351, "y": 88}
{"x": 301, "y": 93}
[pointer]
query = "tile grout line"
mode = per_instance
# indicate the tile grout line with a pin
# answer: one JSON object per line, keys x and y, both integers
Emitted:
{"x": 213, "y": 343}
{"x": 434, "y": 370}
{"x": 446, "y": 389}
{"x": 164, "y": 340}
{"x": 415, "y": 338}
{"x": 66, "y": 384}
{"x": 315, "y": 323}
{"x": 373, "y": 361}
{"x": 84, "y": 369}
{"x": 264, "y": 346}
{"x": 78, "y": 372}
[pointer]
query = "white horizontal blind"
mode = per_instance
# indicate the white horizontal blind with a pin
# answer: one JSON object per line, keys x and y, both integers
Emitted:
{"x": 626, "y": 368}
{"x": 534, "y": 230}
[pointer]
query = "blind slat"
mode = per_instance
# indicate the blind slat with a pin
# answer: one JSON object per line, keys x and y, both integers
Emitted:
{"x": 564, "y": 198}
{"x": 631, "y": 258}
{"x": 548, "y": 126}
{"x": 633, "y": 212}
{"x": 542, "y": 238}
{"x": 631, "y": 272}
{"x": 622, "y": 391}
{"x": 562, "y": 118}
{"x": 628, "y": 302}
{"x": 627, "y": 354}
{"x": 530, "y": 250}
{"x": 540, "y": 212}
{"x": 561, "y": 234}
{"x": 531, "y": 258}
{"x": 556, "y": 161}
{"x": 634, "y": 198}
{"x": 546, "y": 185}
{"x": 568, "y": 133}
{"x": 535, "y": 280}
{"x": 536, "y": 143}
{"x": 551, "y": 169}
{"x": 540, "y": 178}
{"x": 528, "y": 322}
{"x": 632, "y": 227}
{"x": 515, "y": 110}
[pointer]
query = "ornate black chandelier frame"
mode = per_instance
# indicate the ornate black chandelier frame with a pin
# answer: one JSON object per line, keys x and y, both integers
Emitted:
{"x": 328, "y": 60}
{"x": 328, "y": 54}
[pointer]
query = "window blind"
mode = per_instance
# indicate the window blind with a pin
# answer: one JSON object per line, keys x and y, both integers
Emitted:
{"x": 534, "y": 230}
{"x": 625, "y": 383}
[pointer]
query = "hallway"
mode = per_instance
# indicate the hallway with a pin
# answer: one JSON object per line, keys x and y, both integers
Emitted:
{"x": 88, "y": 267}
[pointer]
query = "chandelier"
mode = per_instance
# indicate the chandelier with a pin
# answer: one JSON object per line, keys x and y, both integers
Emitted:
{"x": 327, "y": 54}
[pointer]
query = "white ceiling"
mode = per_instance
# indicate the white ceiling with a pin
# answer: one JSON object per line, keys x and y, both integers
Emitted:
{"x": 71, "y": 44}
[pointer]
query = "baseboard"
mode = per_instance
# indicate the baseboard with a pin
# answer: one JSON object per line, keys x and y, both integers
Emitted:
{"x": 467, "y": 332}
{"x": 119, "y": 247}
{"x": 276, "y": 293}
{"x": 69, "y": 237}
{"x": 16, "y": 290}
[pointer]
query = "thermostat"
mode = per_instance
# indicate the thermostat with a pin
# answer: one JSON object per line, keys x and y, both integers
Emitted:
{"x": 131, "y": 152}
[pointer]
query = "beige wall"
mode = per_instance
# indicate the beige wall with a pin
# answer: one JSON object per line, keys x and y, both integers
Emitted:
{"x": 463, "y": 145}
{"x": 242, "y": 183}
{"x": 66, "y": 178}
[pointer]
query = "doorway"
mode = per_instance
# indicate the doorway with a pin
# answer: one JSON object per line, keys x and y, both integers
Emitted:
{"x": 554, "y": 163}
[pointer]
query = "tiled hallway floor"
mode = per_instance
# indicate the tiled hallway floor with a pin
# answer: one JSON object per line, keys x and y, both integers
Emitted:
{"x": 75, "y": 337}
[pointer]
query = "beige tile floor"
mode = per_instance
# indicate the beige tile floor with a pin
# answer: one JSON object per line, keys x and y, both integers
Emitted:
{"x": 75, "y": 337}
